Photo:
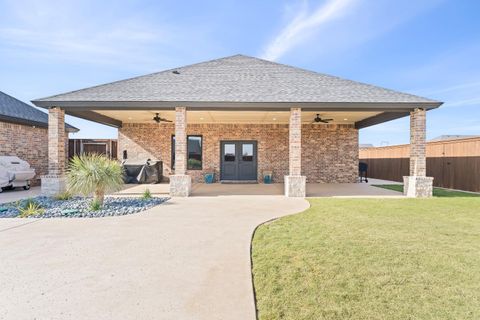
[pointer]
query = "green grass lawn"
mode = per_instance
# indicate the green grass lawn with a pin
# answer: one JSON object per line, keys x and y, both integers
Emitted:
{"x": 437, "y": 192}
{"x": 371, "y": 259}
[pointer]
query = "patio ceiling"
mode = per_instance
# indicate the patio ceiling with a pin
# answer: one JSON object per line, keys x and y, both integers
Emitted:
{"x": 205, "y": 116}
{"x": 115, "y": 118}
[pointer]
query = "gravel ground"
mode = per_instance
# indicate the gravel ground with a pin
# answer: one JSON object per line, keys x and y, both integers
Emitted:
{"x": 78, "y": 207}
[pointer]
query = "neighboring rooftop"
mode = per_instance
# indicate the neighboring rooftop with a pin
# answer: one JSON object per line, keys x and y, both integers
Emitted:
{"x": 453, "y": 137}
{"x": 16, "y": 111}
{"x": 237, "y": 79}
{"x": 365, "y": 145}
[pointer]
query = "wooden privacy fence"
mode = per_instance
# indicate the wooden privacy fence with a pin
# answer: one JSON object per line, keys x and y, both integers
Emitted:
{"x": 453, "y": 164}
{"x": 107, "y": 147}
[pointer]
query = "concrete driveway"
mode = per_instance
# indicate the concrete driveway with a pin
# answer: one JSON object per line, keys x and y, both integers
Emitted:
{"x": 186, "y": 259}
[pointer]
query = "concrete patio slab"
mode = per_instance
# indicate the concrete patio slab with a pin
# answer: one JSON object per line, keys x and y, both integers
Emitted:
{"x": 220, "y": 189}
{"x": 18, "y": 194}
{"x": 313, "y": 189}
{"x": 351, "y": 190}
{"x": 8, "y": 223}
{"x": 138, "y": 189}
{"x": 186, "y": 259}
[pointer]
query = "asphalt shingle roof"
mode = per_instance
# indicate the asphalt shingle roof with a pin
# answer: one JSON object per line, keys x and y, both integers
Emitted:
{"x": 14, "y": 110}
{"x": 239, "y": 78}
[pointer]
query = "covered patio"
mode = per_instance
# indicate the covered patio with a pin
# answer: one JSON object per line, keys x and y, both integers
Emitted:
{"x": 239, "y": 118}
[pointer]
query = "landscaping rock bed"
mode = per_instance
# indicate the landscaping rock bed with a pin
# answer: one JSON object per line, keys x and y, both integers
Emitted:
{"x": 80, "y": 207}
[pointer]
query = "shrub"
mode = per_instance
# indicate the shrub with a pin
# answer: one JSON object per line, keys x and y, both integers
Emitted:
{"x": 95, "y": 205}
{"x": 29, "y": 208}
{"x": 146, "y": 194}
{"x": 94, "y": 173}
{"x": 63, "y": 196}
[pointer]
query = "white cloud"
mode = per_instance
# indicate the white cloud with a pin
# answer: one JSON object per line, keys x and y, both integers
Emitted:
{"x": 455, "y": 87}
{"x": 65, "y": 31}
{"x": 340, "y": 26}
{"x": 465, "y": 102}
{"x": 452, "y": 77}
{"x": 303, "y": 24}
{"x": 92, "y": 32}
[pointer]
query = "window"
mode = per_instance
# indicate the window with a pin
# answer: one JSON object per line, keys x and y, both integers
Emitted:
{"x": 229, "y": 152}
{"x": 247, "y": 152}
{"x": 194, "y": 152}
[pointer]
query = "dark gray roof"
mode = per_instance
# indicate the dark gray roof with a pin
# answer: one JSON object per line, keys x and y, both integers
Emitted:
{"x": 235, "y": 79}
{"x": 16, "y": 111}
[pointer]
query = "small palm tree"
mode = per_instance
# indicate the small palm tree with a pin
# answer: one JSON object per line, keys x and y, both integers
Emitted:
{"x": 94, "y": 173}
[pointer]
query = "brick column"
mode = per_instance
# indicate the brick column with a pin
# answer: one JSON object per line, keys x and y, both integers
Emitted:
{"x": 180, "y": 140}
{"x": 180, "y": 182}
{"x": 418, "y": 161}
{"x": 54, "y": 181}
{"x": 295, "y": 183}
{"x": 295, "y": 142}
{"x": 418, "y": 184}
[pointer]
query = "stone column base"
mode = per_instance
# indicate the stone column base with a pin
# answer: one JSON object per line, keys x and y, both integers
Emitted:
{"x": 417, "y": 187}
{"x": 295, "y": 186}
{"x": 180, "y": 185}
{"x": 52, "y": 184}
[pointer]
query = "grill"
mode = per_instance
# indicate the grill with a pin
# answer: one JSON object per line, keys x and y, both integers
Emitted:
{"x": 15, "y": 172}
{"x": 362, "y": 171}
{"x": 143, "y": 172}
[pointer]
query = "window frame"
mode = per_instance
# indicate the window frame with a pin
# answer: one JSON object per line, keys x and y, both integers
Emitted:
{"x": 172, "y": 151}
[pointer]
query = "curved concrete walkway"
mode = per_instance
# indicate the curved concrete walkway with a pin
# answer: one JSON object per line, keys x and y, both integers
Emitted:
{"x": 186, "y": 259}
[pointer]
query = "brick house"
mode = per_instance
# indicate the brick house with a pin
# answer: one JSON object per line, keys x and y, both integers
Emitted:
{"x": 241, "y": 116}
{"x": 24, "y": 133}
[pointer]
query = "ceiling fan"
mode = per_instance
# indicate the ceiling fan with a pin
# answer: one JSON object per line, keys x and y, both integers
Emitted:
{"x": 318, "y": 119}
{"x": 159, "y": 119}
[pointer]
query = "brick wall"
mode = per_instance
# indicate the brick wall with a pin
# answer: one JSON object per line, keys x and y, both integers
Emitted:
{"x": 28, "y": 143}
{"x": 329, "y": 152}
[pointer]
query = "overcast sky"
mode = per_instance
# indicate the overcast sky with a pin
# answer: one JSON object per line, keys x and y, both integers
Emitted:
{"x": 426, "y": 47}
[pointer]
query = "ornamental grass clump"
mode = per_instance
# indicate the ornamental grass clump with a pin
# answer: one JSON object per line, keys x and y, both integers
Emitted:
{"x": 147, "y": 194}
{"x": 95, "y": 205}
{"x": 94, "y": 174}
{"x": 62, "y": 196}
{"x": 29, "y": 208}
